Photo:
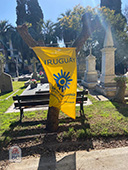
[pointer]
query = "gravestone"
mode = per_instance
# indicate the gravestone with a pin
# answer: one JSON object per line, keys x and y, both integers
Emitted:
{"x": 15, "y": 154}
{"x": 25, "y": 77}
{"x": 107, "y": 85}
{"x": 35, "y": 74}
{"x": 5, "y": 80}
{"x": 90, "y": 75}
{"x": 81, "y": 67}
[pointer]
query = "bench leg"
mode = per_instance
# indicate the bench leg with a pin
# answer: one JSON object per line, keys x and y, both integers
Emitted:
{"x": 21, "y": 114}
{"x": 81, "y": 110}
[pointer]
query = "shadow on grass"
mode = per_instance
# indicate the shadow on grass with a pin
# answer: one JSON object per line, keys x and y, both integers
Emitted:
{"x": 45, "y": 141}
{"x": 122, "y": 108}
{"x": 78, "y": 123}
{"x": 27, "y": 123}
{"x": 1, "y": 94}
{"x": 68, "y": 120}
{"x": 23, "y": 87}
{"x": 24, "y": 129}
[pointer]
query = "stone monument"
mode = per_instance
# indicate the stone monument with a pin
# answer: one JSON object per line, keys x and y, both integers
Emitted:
{"x": 35, "y": 74}
{"x": 107, "y": 85}
{"x": 90, "y": 75}
{"x": 5, "y": 79}
{"x": 81, "y": 67}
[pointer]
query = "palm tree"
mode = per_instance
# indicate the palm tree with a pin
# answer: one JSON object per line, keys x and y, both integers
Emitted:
{"x": 62, "y": 27}
{"x": 69, "y": 26}
{"x": 5, "y": 35}
{"x": 49, "y": 34}
{"x": 5, "y": 30}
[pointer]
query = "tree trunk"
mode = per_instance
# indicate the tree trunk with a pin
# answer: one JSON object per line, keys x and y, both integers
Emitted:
{"x": 23, "y": 31}
{"x": 53, "y": 112}
{"x": 52, "y": 119}
{"x": 89, "y": 25}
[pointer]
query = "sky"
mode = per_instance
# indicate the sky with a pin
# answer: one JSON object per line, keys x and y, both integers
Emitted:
{"x": 51, "y": 8}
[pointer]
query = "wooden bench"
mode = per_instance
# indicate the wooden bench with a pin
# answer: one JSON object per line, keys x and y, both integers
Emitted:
{"x": 42, "y": 99}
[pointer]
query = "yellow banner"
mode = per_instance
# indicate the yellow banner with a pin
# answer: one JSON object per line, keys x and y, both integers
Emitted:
{"x": 61, "y": 70}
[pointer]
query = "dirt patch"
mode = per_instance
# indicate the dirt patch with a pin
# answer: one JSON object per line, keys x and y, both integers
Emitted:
{"x": 48, "y": 144}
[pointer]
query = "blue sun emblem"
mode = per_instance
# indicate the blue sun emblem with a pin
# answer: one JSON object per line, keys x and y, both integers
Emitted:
{"x": 62, "y": 80}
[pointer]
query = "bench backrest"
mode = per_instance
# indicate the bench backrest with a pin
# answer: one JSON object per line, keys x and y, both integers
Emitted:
{"x": 42, "y": 96}
{"x": 42, "y": 99}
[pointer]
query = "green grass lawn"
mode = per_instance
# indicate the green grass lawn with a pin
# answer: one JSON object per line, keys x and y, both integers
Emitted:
{"x": 102, "y": 118}
{"x": 4, "y": 102}
{"x": 8, "y": 118}
{"x": 107, "y": 119}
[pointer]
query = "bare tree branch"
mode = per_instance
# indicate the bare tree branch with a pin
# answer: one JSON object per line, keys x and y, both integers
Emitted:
{"x": 89, "y": 26}
{"x": 23, "y": 31}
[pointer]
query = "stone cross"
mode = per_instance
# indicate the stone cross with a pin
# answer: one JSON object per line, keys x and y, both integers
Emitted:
{"x": 11, "y": 49}
{"x": 90, "y": 49}
{"x": 34, "y": 61}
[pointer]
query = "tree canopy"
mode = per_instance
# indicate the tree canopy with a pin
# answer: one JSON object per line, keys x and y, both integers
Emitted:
{"x": 69, "y": 26}
{"x": 112, "y": 5}
{"x": 28, "y": 11}
{"x": 119, "y": 30}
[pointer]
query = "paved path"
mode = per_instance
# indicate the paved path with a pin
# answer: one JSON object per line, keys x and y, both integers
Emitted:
{"x": 108, "y": 159}
{"x": 97, "y": 96}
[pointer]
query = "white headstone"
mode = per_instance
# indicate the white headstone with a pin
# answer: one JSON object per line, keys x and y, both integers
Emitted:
{"x": 34, "y": 61}
{"x": 90, "y": 76}
{"x": 35, "y": 74}
{"x": 15, "y": 154}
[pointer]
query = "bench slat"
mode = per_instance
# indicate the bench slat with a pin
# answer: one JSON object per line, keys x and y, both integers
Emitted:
{"x": 35, "y": 103}
{"x": 43, "y": 102}
{"x": 81, "y": 93}
{"x": 34, "y": 97}
{"x": 80, "y": 99}
{"x": 78, "y": 92}
{"x": 42, "y": 92}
